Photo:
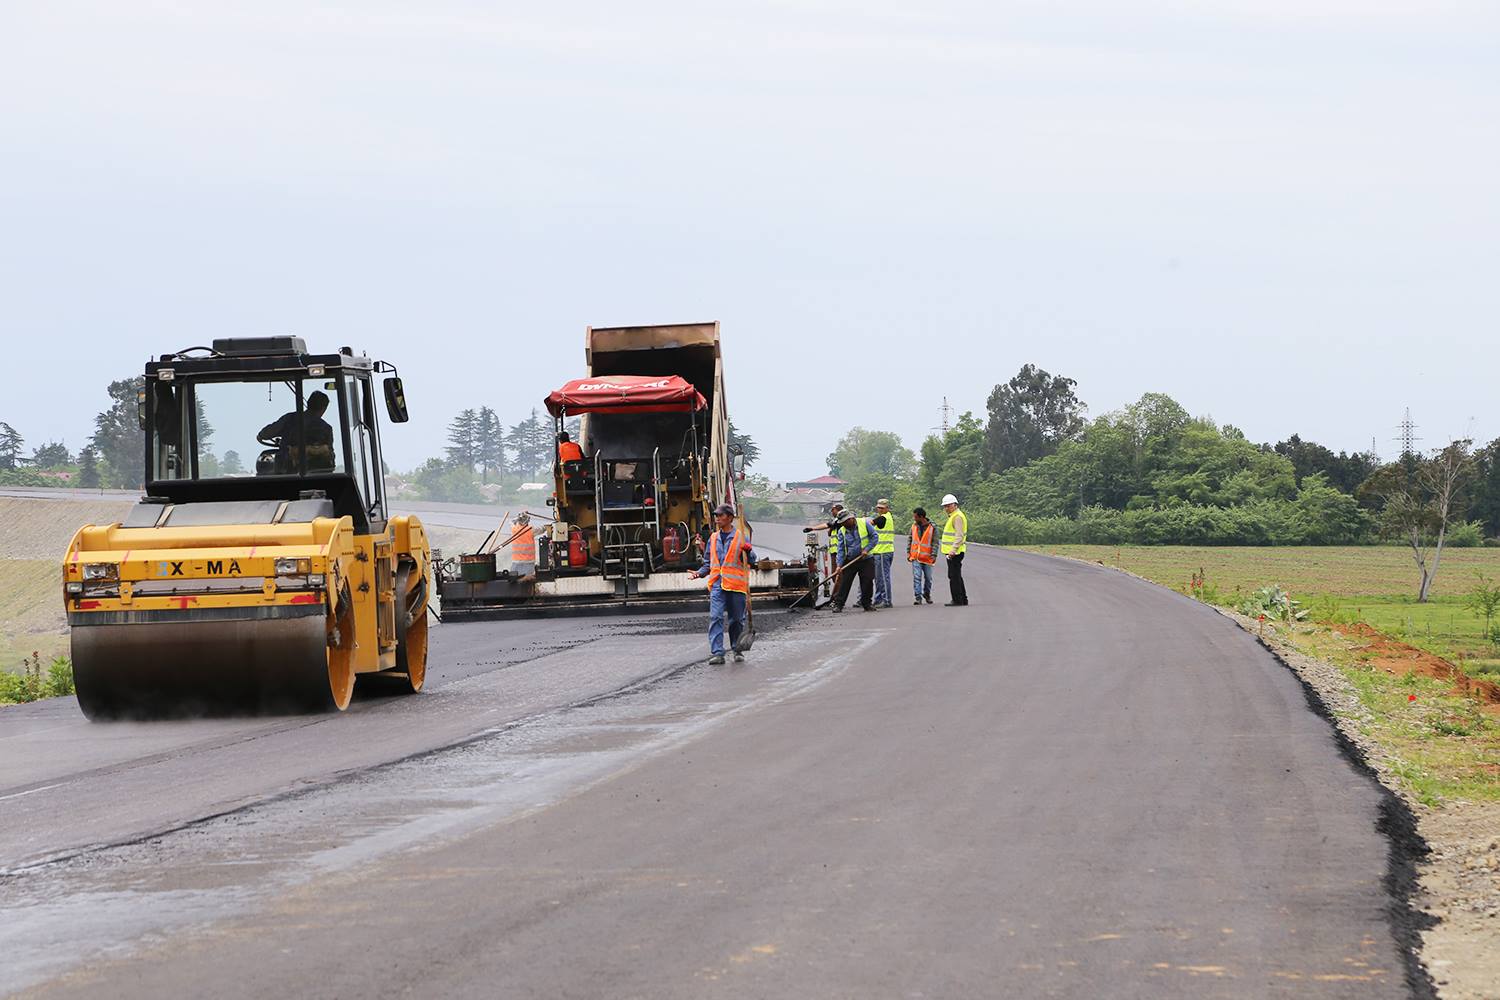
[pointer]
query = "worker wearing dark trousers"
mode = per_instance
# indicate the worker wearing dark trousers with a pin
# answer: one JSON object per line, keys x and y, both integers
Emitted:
{"x": 955, "y": 542}
{"x": 726, "y": 564}
{"x": 855, "y": 542}
{"x": 885, "y": 551}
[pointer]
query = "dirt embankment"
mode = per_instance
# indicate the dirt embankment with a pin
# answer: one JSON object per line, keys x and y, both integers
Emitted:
{"x": 34, "y": 534}
{"x": 1398, "y": 659}
{"x": 42, "y": 528}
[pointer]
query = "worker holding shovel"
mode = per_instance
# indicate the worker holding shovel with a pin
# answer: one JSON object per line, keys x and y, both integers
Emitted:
{"x": 726, "y": 564}
{"x": 856, "y": 540}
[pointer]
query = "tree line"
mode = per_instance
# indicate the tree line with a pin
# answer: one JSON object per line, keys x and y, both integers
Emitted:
{"x": 112, "y": 458}
{"x": 482, "y": 451}
{"x": 1037, "y": 470}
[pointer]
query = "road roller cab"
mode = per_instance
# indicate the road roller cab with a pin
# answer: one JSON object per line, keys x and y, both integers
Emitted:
{"x": 261, "y": 571}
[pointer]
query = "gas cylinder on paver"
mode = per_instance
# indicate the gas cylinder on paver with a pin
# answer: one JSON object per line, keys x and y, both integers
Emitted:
{"x": 578, "y": 553}
{"x": 670, "y": 547}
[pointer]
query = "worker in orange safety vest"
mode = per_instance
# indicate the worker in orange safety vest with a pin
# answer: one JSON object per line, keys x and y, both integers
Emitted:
{"x": 726, "y": 564}
{"x": 523, "y": 548}
{"x": 921, "y": 552}
{"x": 568, "y": 449}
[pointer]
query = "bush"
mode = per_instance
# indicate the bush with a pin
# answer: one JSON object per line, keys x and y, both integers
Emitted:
{"x": 1319, "y": 516}
{"x": 27, "y": 477}
{"x": 1004, "y": 528}
{"x": 31, "y": 684}
{"x": 1466, "y": 535}
{"x": 756, "y": 509}
{"x": 60, "y": 676}
{"x": 437, "y": 479}
{"x": 1273, "y": 602}
{"x": 1326, "y": 516}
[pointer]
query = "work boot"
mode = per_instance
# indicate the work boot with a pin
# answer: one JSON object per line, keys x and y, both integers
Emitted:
{"x": 953, "y": 604}
{"x": 917, "y": 601}
{"x": 716, "y": 659}
{"x": 927, "y": 598}
{"x": 739, "y": 657}
{"x": 836, "y": 609}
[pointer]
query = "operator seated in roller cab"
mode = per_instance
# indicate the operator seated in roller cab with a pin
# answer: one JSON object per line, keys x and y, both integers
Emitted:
{"x": 568, "y": 449}
{"x": 292, "y": 434}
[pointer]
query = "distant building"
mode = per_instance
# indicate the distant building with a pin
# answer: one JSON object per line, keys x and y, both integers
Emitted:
{"x": 821, "y": 483}
{"x": 806, "y": 499}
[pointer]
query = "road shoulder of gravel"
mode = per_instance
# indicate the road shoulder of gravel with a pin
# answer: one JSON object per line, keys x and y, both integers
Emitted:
{"x": 1444, "y": 875}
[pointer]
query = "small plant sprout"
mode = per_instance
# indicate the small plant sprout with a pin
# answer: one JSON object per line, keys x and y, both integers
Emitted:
{"x": 1484, "y": 601}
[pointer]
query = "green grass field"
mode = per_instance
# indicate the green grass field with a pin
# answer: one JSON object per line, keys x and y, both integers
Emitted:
{"x": 1374, "y": 584}
{"x": 1349, "y": 571}
{"x": 1441, "y": 745}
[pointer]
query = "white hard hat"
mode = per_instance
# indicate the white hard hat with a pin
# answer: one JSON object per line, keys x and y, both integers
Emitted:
{"x": 949, "y": 498}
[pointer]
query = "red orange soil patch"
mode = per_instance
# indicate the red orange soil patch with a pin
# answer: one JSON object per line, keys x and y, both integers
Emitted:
{"x": 1398, "y": 659}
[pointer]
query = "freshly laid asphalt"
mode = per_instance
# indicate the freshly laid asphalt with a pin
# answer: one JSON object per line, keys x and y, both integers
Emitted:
{"x": 1080, "y": 785}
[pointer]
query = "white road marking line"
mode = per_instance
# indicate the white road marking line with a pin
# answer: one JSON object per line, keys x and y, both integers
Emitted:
{"x": 31, "y": 791}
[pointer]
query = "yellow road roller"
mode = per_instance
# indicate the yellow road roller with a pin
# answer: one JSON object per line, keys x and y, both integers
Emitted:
{"x": 261, "y": 572}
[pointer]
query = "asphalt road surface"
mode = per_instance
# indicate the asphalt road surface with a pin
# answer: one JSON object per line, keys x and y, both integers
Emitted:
{"x": 1079, "y": 786}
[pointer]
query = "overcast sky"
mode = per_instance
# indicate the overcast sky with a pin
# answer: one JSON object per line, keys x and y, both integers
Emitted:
{"x": 1283, "y": 213}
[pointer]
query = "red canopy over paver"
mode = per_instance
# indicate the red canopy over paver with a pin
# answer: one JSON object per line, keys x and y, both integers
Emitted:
{"x": 626, "y": 394}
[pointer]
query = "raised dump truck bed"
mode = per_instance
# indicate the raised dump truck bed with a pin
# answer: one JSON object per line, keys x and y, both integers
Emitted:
{"x": 634, "y": 510}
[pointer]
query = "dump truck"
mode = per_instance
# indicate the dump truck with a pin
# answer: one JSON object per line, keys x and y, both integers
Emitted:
{"x": 259, "y": 584}
{"x": 630, "y": 518}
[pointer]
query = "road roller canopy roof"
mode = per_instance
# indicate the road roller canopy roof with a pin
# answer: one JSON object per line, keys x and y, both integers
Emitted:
{"x": 230, "y": 356}
{"x": 626, "y": 394}
{"x": 260, "y": 419}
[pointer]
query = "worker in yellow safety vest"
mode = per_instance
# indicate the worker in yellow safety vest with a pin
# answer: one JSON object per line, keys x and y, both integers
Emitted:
{"x": 921, "y": 553}
{"x": 726, "y": 565}
{"x": 955, "y": 542}
{"x": 884, "y": 552}
{"x": 523, "y": 548}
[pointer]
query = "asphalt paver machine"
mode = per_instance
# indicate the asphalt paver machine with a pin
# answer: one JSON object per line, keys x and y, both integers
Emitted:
{"x": 631, "y": 515}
